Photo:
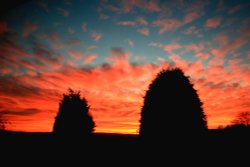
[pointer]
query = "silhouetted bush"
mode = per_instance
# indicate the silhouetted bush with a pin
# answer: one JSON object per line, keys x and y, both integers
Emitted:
{"x": 171, "y": 107}
{"x": 73, "y": 117}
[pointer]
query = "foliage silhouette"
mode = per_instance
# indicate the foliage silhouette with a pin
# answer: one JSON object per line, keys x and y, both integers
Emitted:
{"x": 240, "y": 125}
{"x": 171, "y": 107}
{"x": 73, "y": 117}
{"x": 243, "y": 118}
{"x": 2, "y": 121}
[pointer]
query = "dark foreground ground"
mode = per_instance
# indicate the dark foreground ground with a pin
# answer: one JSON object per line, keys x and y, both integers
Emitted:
{"x": 123, "y": 150}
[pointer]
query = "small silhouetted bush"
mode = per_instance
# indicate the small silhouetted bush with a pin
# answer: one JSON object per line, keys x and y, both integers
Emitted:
{"x": 73, "y": 117}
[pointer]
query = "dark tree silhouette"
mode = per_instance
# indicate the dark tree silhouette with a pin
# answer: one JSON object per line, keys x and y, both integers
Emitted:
{"x": 243, "y": 118}
{"x": 73, "y": 117}
{"x": 240, "y": 127}
{"x": 171, "y": 107}
{"x": 2, "y": 121}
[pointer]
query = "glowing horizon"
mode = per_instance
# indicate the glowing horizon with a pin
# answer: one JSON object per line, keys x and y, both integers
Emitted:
{"x": 112, "y": 50}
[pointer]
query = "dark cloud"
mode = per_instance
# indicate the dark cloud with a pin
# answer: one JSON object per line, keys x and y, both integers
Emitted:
{"x": 11, "y": 52}
{"x": 124, "y": 6}
{"x": 74, "y": 41}
{"x": 14, "y": 86}
{"x": 22, "y": 112}
{"x": 106, "y": 66}
{"x": 222, "y": 85}
{"x": 45, "y": 56}
{"x": 118, "y": 52}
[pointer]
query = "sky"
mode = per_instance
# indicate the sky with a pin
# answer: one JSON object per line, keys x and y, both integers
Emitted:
{"x": 111, "y": 51}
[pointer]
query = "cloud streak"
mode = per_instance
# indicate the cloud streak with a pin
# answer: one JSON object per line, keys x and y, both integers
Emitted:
{"x": 63, "y": 12}
{"x": 90, "y": 58}
{"x": 3, "y": 28}
{"x": 213, "y": 22}
{"x": 96, "y": 36}
{"x": 125, "y": 6}
{"x": 29, "y": 28}
{"x": 143, "y": 31}
{"x": 126, "y": 23}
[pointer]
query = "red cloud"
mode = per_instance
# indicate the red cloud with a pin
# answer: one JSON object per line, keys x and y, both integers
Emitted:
{"x": 144, "y": 31}
{"x": 130, "y": 43}
{"x": 3, "y": 28}
{"x": 196, "y": 6}
{"x": 194, "y": 47}
{"x": 90, "y": 58}
{"x": 54, "y": 38}
{"x": 201, "y": 55}
{"x": 103, "y": 16}
{"x": 234, "y": 9}
{"x": 171, "y": 47}
{"x": 191, "y": 17}
{"x": 167, "y": 25}
{"x": 75, "y": 54}
{"x": 213, "y": 22}
{"x": 84, "y": 27}
{"x": 227, "y": 47}
{"x": 173, "y": 24}
{"x": 127, "y": 23}
{"x": 28, "y": 28}
{"x": 155, "y": 44}
{"x": 63, "y": 12}
{"x": 152, "y": 6}
{"x": 142, "y": 21}
{"x": 125, "y": 6}
{"x": 11, "y": 55}
{"x": 28, "y": 65}
{"x": 191, "y": 30}
{"x": 96, "y": 36}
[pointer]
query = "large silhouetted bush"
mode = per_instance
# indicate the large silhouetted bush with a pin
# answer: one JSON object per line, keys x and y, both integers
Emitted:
{"x": 171, "y": 107}
{"x": 73, "y": 117}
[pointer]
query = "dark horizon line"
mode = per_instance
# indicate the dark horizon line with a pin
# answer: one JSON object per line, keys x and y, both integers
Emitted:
{"x": 97, "y": 133}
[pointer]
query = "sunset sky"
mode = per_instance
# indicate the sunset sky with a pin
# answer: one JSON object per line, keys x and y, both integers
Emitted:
{"x": 111, "y": 50}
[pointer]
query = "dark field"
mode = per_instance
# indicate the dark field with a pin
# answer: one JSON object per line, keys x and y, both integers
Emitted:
{"x": 121, "y": 147}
